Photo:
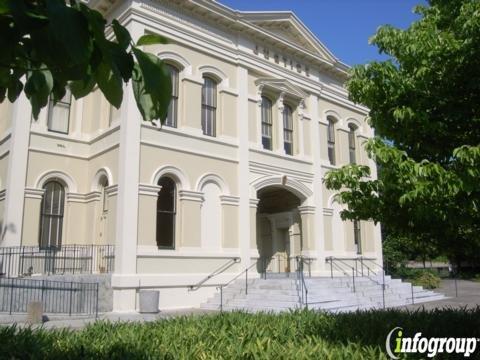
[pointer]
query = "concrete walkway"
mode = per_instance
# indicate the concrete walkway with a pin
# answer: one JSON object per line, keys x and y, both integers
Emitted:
{"x": 79, "y": 322}
{"x": 468, "y": 296}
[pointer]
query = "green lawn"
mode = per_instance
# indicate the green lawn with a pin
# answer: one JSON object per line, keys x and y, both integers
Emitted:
{"x": 295, "y": 335}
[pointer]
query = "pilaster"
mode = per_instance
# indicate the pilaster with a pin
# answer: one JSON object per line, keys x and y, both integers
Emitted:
{"x": 128, "y": 185}
{"x": 318, "y": 190}
{"x": 244, "y": 219}
{"x": 16, "y": 172}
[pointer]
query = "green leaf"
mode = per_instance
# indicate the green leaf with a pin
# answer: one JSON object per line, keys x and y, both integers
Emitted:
{"x": 4, "y": 8}
{"x": 37, "y": 88}
{"x": 120, "y": 59}
{"x": 151, "y": 39}
{"x": 81, "y": 88}
{"x": 110, "y": 83}
{"x": 3, "y": 91}
{"x": 70, "y": 29}
{"x": 153, "y": 86}
{"x": 15, "y": 87}
{"x": 122, "y": 35}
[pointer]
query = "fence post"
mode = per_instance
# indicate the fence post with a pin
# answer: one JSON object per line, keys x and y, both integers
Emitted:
{"x": 361, "y": 263}
{"x": 383, "y": 287}
{"x": 331, "y": 268}
{"x": 71, "y": 294}
{"x": 43, "y": 289}
{"x": 91, "y": 260}
{"x": 96, "y": 305}
{"x": 20, "y": 272}
{"x": 11, "y": 296}
{"x": 74, "y": 262}
{"x": 353, "y": 279}
{"x": 221, "y": 298}
{"x": 246, "y": 281}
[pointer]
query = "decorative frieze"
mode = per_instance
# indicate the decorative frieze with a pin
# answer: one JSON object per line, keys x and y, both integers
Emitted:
{"x": 282, "y": 60}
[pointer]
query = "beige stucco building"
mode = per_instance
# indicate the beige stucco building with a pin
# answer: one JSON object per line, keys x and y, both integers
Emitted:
{"x": 259, "y": 115}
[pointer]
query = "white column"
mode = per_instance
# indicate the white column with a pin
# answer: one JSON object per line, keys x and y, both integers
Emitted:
{"x": 279, "y": 126}
{"x": 16, "y": 172}
{"x": 301, "y": 140}
{"x": 243, "y": 171}
{"x": 317, "y": 183}
{"x": 259, "y": 117}
{"x": 77, "y": 129}
{"x": 127, "y": 202}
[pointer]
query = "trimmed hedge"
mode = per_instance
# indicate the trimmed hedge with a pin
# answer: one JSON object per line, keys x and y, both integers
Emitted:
{"x": 294, "y": 335}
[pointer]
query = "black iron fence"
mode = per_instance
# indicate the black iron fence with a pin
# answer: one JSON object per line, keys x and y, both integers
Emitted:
{"x": 57, "y": 297}
{"x": 69, "y": 259}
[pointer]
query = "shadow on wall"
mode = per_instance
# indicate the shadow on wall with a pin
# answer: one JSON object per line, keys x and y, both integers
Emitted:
{"x": 9, "y": 227}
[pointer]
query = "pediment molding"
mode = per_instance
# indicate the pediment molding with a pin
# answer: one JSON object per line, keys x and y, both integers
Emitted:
{"x": 281, "y": 86}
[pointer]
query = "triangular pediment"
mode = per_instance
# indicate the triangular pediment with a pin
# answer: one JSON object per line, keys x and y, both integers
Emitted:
{"x": 281, "y": 86}
{"x": 287, "y": 26}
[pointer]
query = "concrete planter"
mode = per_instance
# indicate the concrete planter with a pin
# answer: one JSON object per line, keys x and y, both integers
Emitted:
{"x": 149, "y": 301}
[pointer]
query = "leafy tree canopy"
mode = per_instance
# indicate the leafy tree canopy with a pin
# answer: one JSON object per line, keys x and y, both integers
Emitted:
{"x": 49, "y": 45}
{"x": 425, "y": 108}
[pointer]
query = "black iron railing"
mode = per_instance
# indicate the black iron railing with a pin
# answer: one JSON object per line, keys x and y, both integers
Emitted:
{"x": 69, "y": 259}
{"x": 57, "y": 297}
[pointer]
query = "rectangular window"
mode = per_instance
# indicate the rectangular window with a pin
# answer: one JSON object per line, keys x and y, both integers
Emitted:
{"x": 172, "y": 115}
{"x": 209, "y": 106}
{"x": 59, "y": 114}
{"x": 331, "y": 141}
{"x": 266, "y": 123}
{"x": 357, "y": 236}
{"x": 288, "y": 130}
{"x": 352, "y": 146}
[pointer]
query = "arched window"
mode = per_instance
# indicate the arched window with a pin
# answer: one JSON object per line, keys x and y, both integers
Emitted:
{"x": 288, "y": 129}
{"x": 59, "y": 114}
{"x": 331, "y": 141}
{"x": 357, "y": 236}
{"x": 51, "y": 215}
{"x": 104, "y": 195}
{"x": 166, "y": 211}
{"x": 209, "y": 106}
{"x": 352, "y": 144}
{"x": 173, "y": 107}
{"x": 266, "y": 123}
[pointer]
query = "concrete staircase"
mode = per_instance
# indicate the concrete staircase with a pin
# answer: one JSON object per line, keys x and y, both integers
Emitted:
{"x": 281, "y": 293}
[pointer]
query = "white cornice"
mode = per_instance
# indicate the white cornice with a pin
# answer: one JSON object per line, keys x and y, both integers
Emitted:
{"x": 188, "y": 195}
{"x": 33, "y": 193}
{"x": 229, "y": 200}
{"x": 149, "y": 190}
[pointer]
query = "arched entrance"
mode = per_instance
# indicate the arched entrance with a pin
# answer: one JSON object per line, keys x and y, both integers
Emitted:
{"x": 279, "y": 234}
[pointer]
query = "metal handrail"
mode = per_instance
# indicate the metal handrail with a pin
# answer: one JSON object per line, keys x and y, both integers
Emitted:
{"x": 332, "y": 264}
{"x": 301, "y": 278}
{"x": 241, "y": 273}
{"x": 221, "y": 286}
{"x": 214, "y": 273}
{"x": 355, "y": 271}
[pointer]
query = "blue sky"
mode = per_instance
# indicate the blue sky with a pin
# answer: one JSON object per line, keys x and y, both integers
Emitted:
{"x": 344, "y": 26}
